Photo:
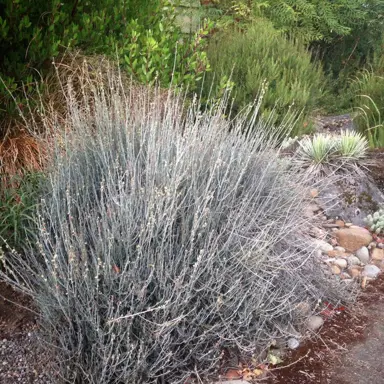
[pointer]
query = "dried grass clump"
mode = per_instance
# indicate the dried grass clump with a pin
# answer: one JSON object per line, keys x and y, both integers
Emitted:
{"x": 74, "y": 77}
{"x": 20, "y": 153}
{"x": 79, "y": 78}
{"x": 164, "y": 240}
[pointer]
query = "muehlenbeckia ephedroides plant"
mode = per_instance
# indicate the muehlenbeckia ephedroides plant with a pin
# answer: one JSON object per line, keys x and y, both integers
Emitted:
{"x": 375, "y": 222}
{"x": 159, "y": 244}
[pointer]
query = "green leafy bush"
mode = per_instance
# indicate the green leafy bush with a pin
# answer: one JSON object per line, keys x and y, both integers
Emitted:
{"x": 318, "y": 20}
{"x": 364, "y": 29}
{"x": 311, "y": 20}
{"x": 343, "y": 34}
{"x": 141, "y": 33}
{"x": 261, "y": 56}
{"x": 160, "y": 244}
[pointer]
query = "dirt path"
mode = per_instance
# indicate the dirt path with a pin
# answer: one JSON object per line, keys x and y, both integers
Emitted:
{"x": 363, "y": 363}
{"x": 349, "y": 349}
{"x": 334, "y": 124}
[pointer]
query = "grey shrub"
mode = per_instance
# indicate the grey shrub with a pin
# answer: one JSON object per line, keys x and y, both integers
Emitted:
{"x": 166, "y": 237}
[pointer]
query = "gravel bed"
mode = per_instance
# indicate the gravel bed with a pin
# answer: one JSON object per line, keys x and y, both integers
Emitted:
{"x": 22, "y": 360}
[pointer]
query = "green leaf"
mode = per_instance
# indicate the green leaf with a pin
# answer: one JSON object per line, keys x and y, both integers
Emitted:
{"x": 273, "y": 359}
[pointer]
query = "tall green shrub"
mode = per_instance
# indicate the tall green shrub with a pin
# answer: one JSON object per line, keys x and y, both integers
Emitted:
{"x": 262, "y": 55}
{"x": 312, "y": 20}
{"x": 344, "y": 34}
{"x": 141, "y": 33}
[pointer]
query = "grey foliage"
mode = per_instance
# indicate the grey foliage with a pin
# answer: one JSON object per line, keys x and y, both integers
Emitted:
{"x": 164, "y": 239}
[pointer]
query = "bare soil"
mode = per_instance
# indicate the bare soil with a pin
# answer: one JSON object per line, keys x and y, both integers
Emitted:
{"x": 15, "y": 315}
{"x": 22, "y": 360}
{"x": 348, "y": 350}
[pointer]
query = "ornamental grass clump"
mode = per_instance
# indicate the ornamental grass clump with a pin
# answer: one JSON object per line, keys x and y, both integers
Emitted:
{"x": 166, "y": 239}
{"x": 324, "y": 153}
{"x": 351, "y": 145}
{"x": 369, "y": 101}
{"x": 316, "y": 152}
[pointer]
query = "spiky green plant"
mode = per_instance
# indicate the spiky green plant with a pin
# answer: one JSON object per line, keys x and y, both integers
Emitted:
{"x": 323, "y": 151}
{"x": 351, "y": 145}
{"x": 317, "y": 149}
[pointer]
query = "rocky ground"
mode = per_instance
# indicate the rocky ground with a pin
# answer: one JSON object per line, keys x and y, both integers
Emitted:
{"x": 21, "y": 359}
{"x": 344, "y": 345}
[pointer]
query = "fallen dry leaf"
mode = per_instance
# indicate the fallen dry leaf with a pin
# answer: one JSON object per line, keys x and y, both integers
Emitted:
{"x": 233, "y": 374}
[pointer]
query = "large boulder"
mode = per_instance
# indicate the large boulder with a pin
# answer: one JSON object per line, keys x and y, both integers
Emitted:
{"x": 354, "y": 238}
{"x": 351, "y": 197}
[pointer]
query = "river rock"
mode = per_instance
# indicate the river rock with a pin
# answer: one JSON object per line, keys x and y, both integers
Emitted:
{"x": 353, "y": 260}
{"x": 378, "y": 254}
{"x": 336, "y": 253}
{"x": 293, "y": 343}
{"x": 318, "y": 233}
{"x": 336, "y": 270}
{"x": 314, "y": 323}
{"x": 353, "y": 239}
{"x": 355, "y": 271}
{"x": 341, "y": 263}
{"x": 363, "y": 255}
{"x": 371, "y": 270}
{"x": 323, "y": 245}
